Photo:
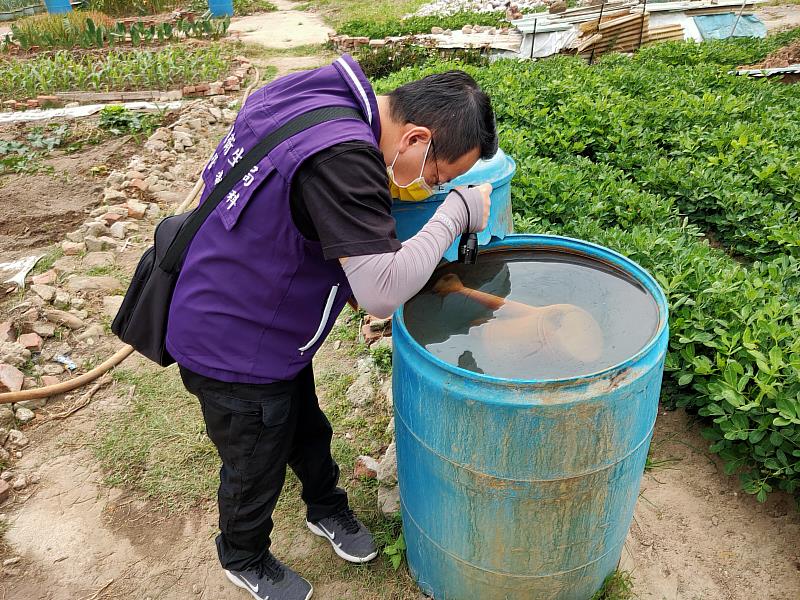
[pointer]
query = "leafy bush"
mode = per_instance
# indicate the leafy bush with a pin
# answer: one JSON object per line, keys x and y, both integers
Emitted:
{"x": 381, "y": 29}
{"x": 48, "y": 30}
{"x": 644, "y": 155}
{"x": 118, "y": 70}
{"x": 119, "y": 120}
{"x": 10, "y": 5}
{"x": 95, "y": 30}
{"x": 380, "y": 62}
{"x": 126, "y": 8}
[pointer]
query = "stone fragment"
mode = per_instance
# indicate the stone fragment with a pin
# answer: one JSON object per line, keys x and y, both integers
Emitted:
{"x": 17, "y": 439}
{"x": 98, "y": 259}
{"x": 66, "y": 264}
{"x": 114, "y": 197}
{"x": 386, "y": 391}
{"x": 61, "y": 317}
{"x": 62, "y": 300}
{"x": 31, "y": 341}
{"x": 5, "y": 490}
{"x": 11, "y": 378}
{"x": 387, "y": 469}
{"x": 466, "y": 29}
{"x": 105, "y": 242}
{"x": 93, "y": 331}
{"x": 389, "y": 500}
{"x": 45, "y": 330}
{"x": 136, "y": 210}
{"x": 379, "y": 324}
{"x": 48, "y": 380}
{"x": 6, "y": 420}
{"x": 360, "y": 391}
{"x": 46, "y": 278}
{"x": 118, "y": 230}
{"x": 100, "y": 283}
{"x": 24, "y": 415}
{"x": 437, "y": 30}
{"x": 20, "y": 482}
{"x": 73, "y": 248}
{"x": 7, "y": 333}
{"x": 77, "y": 303}
{"x": 34, "y": 404}
{"x": 52, "y": 369}
{"x": 134, "y": 174}
{"x": 45, "y": 292}
{"x": 14, "y": 354}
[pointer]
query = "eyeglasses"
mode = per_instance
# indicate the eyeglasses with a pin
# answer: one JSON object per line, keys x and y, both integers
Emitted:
{"x": 435, "y": 164}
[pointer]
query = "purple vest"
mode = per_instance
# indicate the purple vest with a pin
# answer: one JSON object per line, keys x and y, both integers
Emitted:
{"x": 255, "y": 299}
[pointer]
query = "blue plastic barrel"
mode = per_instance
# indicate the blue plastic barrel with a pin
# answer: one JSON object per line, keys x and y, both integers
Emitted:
{"x": 220, "y": 8}
{"x": 521, "y": 490}
{"x": 56, "y": 7}
{"x": 498, "y": 170}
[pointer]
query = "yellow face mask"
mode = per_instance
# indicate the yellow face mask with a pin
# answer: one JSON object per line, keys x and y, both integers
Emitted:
{"x": 416, "y": 190}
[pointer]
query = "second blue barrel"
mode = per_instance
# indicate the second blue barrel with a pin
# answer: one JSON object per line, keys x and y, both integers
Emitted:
{"x": 220, "y": 8}
{"x": 522, "y": 489}
{"x": 57, "y": 7}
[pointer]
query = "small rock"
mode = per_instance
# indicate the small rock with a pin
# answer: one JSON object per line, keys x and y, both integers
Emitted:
{"x": 6, "y": 476}
{"x": 386, "y": 392}
{"x": 7, "y": 333}
{"x": 62, "y": 300}
{"x": 337, "y": 344}
{"x": 136, "y": 210}
{"x": 11, "y": 378}
{"x": 45, "y": 330}
{"x": 24, "y": 415}
{"x": 34, "y": 404}
{"x": 715, "y": 520}
{"x": 73, "y": 248}
{"x": 14, "y": 354}
{"x": 17, "y": 439}
{"x": 31, "y": 341}
{"x": 379, "y": 324}
{"x": 34, "y": 478}
{"x": 61, "y": 317}
{"x": 466, "y": 29}
{"x": 53, "y": 369}
{"x": 559, "y": 6}
{"x": 93, "y": 331}
{"x": 46, "y": 278}
{"x": 111, "y": 217}
{"x": 389, "y": 500}
{"x": 5, "y": 490}
{"x": 365, "y": 364}
{"x": 228, "y": 115}
{"x": 360, "y": 391}
{"x": 133, "y": 174}
{"x": 100, "y": 283}
{"x": 437, "y": 30}
{"x": 98, "y": 259}
{"x": 384, "y": 342}
{"x": 48, "y": 380}
{"x": 114, "y": 197}
{"x": 20, "y": 482}
{"x": 387, "y": 469}
{"x": 95, "y": 244}
{"x": 118, "y": 230}
{"x": 96, "y": 229}
{"x": 65, "y": 264}
{"x": 45, "y": 292}
{"x": 6, "y": 419}
{"x": 111, "y": 305}
{"x": 366, "y": 466}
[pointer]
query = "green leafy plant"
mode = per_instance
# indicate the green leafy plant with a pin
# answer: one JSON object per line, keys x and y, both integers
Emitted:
{"x": 117, "y": 70}
{"x": 382, "y": 355}
{"x": 58, "y": 31}
{"x": 396, "y": 552}
{"x": 380, "y": 29}
{"x": 119, "y": 120}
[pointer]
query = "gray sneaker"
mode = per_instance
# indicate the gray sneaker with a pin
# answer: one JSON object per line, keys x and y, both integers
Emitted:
{"x": 348, "y": 536}
{"x": 272, "y": 580}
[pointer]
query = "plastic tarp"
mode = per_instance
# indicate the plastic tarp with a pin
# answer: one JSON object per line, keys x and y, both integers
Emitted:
{"x": 719, "y": 27}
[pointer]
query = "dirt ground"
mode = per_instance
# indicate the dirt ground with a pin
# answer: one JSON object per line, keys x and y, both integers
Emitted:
{"x": 37, "y": 209}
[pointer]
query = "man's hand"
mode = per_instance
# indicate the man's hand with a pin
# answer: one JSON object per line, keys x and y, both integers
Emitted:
{"x": 486, "y": 190}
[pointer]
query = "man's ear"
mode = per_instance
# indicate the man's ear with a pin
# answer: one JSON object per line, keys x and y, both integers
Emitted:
{"x": 414, "y": 134}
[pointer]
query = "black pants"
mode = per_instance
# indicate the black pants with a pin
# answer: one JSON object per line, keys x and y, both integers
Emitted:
{"x": 258, "y": 430}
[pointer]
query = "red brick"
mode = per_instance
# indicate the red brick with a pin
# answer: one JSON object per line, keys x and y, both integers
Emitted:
{"x": 46, "y": 278}
{"x": 10, "y": 379}
{"x": 7, "y": 331}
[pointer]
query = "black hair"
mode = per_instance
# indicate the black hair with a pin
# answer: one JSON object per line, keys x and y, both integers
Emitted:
{"x": 455, "y": 109}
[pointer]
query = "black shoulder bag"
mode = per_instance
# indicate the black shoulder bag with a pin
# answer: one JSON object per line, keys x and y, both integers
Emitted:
{"x": 142, "y": 317}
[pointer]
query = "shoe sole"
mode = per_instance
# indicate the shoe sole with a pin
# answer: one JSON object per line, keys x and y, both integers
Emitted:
{"x": 237, "y": 583}
{"x": 339, "y": 552}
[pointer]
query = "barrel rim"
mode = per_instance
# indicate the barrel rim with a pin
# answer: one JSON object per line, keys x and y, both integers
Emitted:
{"x": 591, "y": 250}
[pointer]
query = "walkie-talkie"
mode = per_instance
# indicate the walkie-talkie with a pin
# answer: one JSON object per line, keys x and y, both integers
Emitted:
{"x": 468, "y": 244}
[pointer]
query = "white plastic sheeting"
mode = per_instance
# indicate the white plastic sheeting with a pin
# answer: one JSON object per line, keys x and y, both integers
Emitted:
{"x": 42, "y": 114}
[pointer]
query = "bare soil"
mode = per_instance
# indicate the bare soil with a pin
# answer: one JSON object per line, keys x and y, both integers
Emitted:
{"x": 37, "y": 209}
{"x": 782, "y": 57}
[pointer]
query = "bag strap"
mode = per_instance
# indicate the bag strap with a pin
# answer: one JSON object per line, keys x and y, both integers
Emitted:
{"x": 298, "y": 124}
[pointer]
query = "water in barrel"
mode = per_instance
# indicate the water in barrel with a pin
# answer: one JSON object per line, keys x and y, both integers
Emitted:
{"x": 533, "y": 314}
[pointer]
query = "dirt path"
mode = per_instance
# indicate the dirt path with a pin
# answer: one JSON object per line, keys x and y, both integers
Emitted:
{"x": 284, "y": 28}
{"x": 778, "y": 18}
